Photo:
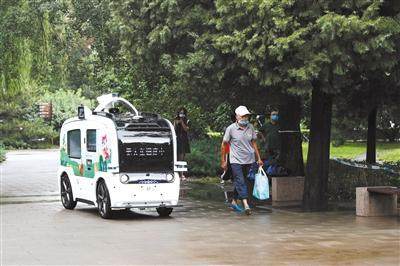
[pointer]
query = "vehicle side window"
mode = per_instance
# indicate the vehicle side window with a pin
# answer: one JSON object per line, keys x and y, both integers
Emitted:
{"x": 91, "y": 140}
{"x": 74, "y": 143}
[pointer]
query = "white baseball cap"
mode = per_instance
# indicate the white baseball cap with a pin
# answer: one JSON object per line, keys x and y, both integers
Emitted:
{"x": 242, "y": 111}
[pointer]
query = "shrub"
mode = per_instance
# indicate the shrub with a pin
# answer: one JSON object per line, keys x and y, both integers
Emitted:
{"x": 65, "y": 104}
{"x": 2, "y": 153}
{"x": 204, "y": 159}
{"x": 344, "y": 179}
{"x": 337, "y": 142}
{"x": 20, "y": 124}
{"x": 23, "y": 134}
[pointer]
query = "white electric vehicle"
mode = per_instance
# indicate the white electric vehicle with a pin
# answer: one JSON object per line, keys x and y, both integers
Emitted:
{"x": 118, "y": 158}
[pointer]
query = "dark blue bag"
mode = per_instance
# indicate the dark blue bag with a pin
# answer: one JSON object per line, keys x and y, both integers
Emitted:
{"x": 271, "y": 170}
{"x": 252, "y": 172}
{"x": 276, "y": 170}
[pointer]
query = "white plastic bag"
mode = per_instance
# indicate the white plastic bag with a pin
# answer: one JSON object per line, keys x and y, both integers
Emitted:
{"x": 261, "y": 186}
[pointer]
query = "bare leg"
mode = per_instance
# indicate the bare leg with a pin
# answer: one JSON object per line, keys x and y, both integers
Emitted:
{"x": 246, "y": 207}
{"x": 183, "y": 159}
{"x": 245, "y": 204}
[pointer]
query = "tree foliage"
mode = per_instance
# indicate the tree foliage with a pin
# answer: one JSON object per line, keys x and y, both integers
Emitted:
{"x": 208, "y": 56}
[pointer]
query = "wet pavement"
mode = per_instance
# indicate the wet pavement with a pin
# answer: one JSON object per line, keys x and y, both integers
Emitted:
{"x": 199, "y": 233}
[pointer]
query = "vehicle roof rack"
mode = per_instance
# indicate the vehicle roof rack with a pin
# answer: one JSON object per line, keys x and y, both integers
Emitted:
{"x": 105, "y": 114}
{"x": 144, "y": 126}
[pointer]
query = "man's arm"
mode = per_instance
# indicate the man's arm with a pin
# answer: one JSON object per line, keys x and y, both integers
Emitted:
{"x": 255, "y": 146}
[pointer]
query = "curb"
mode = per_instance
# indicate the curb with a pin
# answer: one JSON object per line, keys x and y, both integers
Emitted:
{"x": 28, "y": 199}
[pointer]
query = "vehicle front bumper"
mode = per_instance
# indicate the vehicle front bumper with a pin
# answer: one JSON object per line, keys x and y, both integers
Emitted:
{"x": 144, "y": 195}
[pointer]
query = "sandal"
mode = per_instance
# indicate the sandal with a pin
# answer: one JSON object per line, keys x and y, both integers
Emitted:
{"x": 248, "y": 211}
{"x": 236, "y": 208}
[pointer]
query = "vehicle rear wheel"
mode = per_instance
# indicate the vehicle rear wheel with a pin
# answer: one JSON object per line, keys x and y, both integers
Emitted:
{"x": 164, "y": 211}
{"x": 103, "y": 201}
{"x": 67, "y": 198}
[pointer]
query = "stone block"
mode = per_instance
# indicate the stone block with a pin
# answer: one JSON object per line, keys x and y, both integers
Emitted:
{"x": 374, "y": 204}
{"x": 287, "y": 191}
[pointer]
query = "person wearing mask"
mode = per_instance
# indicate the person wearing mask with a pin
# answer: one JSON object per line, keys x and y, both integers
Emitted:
{"x": 181, "y": 124}
{"x": 241, "y": 137}
{"x": 272, "y": 139}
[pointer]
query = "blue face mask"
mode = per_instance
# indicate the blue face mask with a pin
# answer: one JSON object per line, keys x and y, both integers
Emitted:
{"x": 243, "y": 122}
{"x": 275, "y": 117}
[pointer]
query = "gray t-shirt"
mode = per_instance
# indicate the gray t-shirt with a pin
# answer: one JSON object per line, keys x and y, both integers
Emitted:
{"x": 241, "y": 148}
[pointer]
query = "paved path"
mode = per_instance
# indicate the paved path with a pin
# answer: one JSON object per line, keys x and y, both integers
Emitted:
{"x": 200, "y": 233}
{"x": 29, "y": 172}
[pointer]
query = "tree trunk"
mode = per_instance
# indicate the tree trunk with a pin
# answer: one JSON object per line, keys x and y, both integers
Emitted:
{"x": 371, "y": 137}
{"x": 291, "y": 149}
{"x": 316, "y": 181}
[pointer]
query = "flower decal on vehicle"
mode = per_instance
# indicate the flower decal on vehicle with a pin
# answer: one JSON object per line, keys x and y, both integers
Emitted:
{"x": 106, "y": 153}
{"x": 105, "y": 157}
{"x": 104, "y": 140}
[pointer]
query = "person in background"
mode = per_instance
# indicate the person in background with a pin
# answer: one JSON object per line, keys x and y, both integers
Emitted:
{"x": 181, "y": 124}
{"x": 272, "y": 139}
{"x": 241, "y": 137}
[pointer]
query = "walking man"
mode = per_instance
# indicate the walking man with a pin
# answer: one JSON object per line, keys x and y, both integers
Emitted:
{"x": 241, "y": 137}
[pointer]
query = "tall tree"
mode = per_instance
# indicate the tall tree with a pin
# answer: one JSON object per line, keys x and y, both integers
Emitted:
{"x": 309, "y": 48}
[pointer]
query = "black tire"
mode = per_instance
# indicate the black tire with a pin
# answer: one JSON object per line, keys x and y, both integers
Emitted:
{"x": 164, "y": 211}
{"x": 103, "y": 201}
{"x": 67, "y": 198}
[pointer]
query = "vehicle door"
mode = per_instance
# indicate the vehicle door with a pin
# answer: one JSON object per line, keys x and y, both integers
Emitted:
{"x": 74, "y": 151}
{"x": 90, "y": 158}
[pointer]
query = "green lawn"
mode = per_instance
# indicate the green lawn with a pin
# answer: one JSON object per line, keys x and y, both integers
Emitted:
{"x": 385, "y": 151}
{"x": 389, "y": 152}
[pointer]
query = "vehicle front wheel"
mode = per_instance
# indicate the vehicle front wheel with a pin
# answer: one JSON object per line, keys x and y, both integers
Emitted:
{"x": 67, "y": 198}
{"x": 103, "y": 201}
{"x": 164, "y": 211}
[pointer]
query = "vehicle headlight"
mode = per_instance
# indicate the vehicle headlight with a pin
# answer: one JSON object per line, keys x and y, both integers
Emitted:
{"x": 124, "y": 178}
{"x": 170, "y": 177}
